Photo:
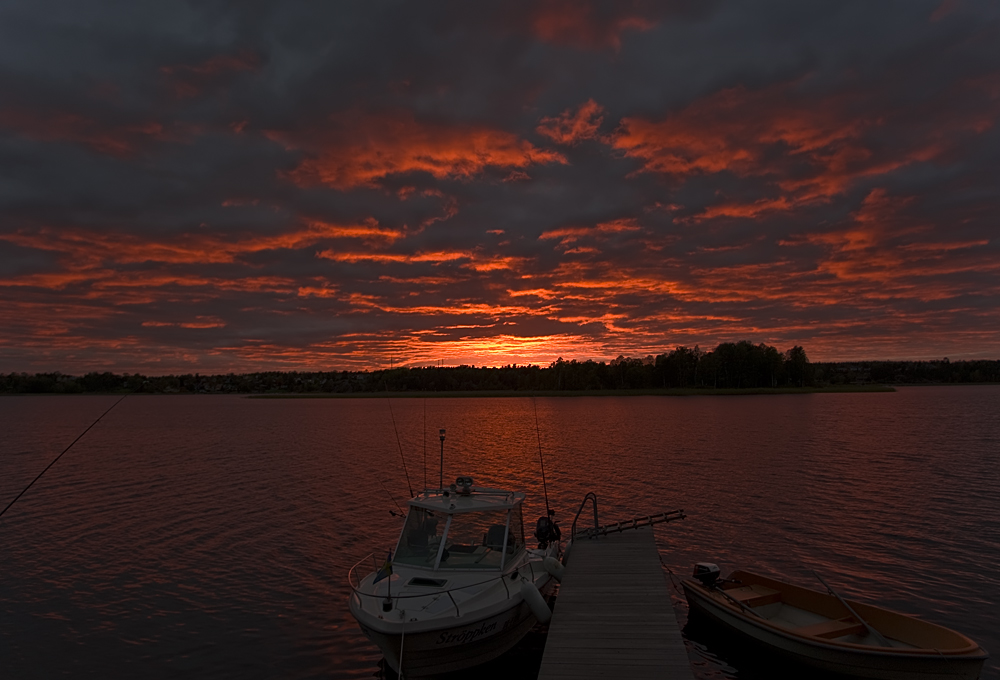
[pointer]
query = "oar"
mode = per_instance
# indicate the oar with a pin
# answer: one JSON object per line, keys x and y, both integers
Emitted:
{"x": 878, "y": 635}
{"x": 732, "y": 599}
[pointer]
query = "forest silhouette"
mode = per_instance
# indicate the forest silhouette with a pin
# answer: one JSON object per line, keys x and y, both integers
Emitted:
{"x": 730, "y": 366}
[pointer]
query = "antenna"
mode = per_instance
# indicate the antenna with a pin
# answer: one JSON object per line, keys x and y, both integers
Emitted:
{"x": 538, "y": 434}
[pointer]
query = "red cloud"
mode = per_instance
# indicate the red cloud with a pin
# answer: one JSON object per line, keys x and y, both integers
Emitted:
{"x": 591, "y": 24}
{"x": 807, "y": 148}
{"x": 471, "y": 259}
{"x": 120, "y": 141}
{"x": 362, "y": 149}
{"x": 90, "y": 248}
{"x": 732, "y": 130}
{"x": 877, "y": 256}
{"x": 568, "y": 235}
{"x": 571, "y": 128}
{"x": 944, "y": 9}
{"x": 189, "y": 80}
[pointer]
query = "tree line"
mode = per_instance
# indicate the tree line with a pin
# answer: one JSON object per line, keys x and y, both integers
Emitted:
{"x": 908, "y": 372}
{"x": 731, "y": 365}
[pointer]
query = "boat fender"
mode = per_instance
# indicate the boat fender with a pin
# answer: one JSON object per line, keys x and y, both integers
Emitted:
{"x": 535, "y": 602}
{"x": 552, "y": 566}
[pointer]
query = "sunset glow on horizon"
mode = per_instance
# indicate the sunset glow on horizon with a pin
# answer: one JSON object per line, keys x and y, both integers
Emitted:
{"x": 232, "y": 189}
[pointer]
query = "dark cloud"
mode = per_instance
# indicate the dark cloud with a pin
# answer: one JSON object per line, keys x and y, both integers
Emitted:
{"x": 222, "y": 185}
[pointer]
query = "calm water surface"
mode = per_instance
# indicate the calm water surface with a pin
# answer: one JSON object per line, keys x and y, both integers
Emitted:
{"x": 214, "y": 534}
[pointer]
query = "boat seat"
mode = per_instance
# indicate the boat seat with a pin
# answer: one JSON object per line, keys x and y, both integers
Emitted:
{"x": 494, "y": 537}
{"x": 754, "y": 596}
{"x": 835, "y": 628}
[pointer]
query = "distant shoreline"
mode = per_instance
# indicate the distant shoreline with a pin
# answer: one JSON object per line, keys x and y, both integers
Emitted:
{"x": 729, "y": 369}
{"x": 416, "y": 394}
{"x": 668, "y": 392}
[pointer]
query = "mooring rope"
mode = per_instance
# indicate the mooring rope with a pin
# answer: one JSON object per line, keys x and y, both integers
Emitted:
{"x": 402, "y": 639}
{"x": 673, "y": 579}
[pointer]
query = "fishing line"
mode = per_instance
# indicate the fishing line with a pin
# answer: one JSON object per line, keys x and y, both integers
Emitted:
{"x": 401, "y": 513}
{"x": 61, "y": 455}
{"x": 400, "y": 446}
{"x": 538, "y": 434}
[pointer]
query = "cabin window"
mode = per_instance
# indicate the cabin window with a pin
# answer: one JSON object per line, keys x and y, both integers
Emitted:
{"x": 475, "y": 540}
{"x": 418, "y": 544}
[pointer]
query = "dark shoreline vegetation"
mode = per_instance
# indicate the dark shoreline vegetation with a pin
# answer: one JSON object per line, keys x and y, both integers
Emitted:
{"x": 731, "y": 368}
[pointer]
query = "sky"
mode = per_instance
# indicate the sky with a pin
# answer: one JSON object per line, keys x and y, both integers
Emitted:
{"x": 241, "y": 186}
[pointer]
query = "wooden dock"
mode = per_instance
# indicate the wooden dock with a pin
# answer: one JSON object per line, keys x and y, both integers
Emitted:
{"x": 613, "y": 617}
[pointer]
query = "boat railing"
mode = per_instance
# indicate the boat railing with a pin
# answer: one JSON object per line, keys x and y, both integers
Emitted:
{"x": 355, "y": 583}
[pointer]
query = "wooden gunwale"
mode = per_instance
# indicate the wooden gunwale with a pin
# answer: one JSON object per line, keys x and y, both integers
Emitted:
{"x": 827, "y": 605}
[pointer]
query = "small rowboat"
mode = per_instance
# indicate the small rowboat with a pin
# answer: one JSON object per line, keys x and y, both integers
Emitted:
{"x": 825, "y": 631}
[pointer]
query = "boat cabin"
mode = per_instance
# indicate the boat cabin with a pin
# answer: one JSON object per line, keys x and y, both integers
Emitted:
{"x": 462, "y": 527}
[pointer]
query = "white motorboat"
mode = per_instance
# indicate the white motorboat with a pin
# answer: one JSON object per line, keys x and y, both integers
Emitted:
{"x": 462, "y": 587}
{"x": 825, "y": 631}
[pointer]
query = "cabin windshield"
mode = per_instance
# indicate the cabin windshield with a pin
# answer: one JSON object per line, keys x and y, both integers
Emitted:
{"x": 418, "y": 544}
{"x": 475, "y": 540}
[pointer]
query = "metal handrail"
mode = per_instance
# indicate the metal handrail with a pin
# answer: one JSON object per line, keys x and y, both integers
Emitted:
{"x": 635, "y": 523}
{"x": 593, "y": 498}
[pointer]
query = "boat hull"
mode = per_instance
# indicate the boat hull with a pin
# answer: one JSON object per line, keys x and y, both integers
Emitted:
{"x": 455, "y": 647}
{"x": 861, "y": 663}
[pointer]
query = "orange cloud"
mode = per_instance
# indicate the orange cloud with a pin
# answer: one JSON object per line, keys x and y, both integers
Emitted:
{"x": 474, "y": 260}
{"x": 198, "y": 323}
{"x": 415, "y": 348}
{"x": 358, "y": 150}
{"x": 572, "y": 128}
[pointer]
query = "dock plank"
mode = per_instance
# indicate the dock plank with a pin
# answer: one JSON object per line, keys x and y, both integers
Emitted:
{"x": 614, "y": 614}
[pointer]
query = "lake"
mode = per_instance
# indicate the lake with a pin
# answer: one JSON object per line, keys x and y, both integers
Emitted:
{"x": 213, "y": 534}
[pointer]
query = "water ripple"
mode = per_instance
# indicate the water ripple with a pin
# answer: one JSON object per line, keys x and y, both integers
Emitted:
{"x": 212, "y": 535}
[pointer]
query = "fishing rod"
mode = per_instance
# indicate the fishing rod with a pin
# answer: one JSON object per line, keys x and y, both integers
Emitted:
{"x": 538, "y": 434}
{"x": 425, "y": 442}
{"x": 61, "y": 455}
{"x": 400, "y": 446}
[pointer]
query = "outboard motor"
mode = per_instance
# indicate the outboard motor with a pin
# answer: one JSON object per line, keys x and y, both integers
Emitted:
{"x": 547, "y": 531}
{"x": 707, "y": 573}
